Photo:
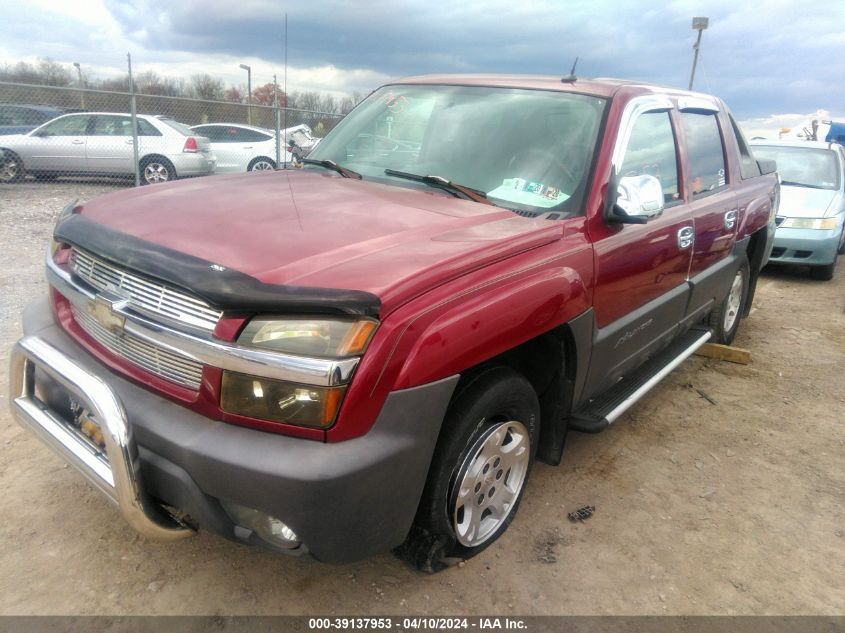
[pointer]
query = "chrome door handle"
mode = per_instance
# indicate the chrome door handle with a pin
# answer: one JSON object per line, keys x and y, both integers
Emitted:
{"x": 685, "y": 237}
{"x": 77, "y": 142}
{"x": 730, "y": 219}
{"x": 247, "y": 147}
{"x": 129, "y": 141}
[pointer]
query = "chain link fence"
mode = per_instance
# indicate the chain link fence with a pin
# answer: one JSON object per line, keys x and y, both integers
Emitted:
{"x": 49, "y": 132}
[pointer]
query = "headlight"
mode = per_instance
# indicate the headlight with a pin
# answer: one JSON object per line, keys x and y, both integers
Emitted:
{"x": 327, "y": 338}
{"x": 824, "y": 224}
{"x": 287, "y": 402}
{"x": 68, "y": 210}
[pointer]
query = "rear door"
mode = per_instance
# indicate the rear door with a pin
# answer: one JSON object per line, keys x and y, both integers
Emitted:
{"x": 109, "y": 148}
{"x": 713, "y": 206}
{"x": 58, "y": 146}
{"x": 641, "y": 289}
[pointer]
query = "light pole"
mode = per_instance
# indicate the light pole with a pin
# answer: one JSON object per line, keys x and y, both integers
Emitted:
{"x": 248, "y": 70}
{"x": 699, "y": 24}
{"x": 81, "y": 91}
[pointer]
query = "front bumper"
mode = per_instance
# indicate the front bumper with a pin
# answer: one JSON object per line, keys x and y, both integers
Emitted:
{"x": 810, "y": 247}
{"x": 346, "y": 500}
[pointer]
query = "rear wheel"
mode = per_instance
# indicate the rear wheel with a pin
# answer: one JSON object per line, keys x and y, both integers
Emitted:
{"x": 156, "y": 169}
{"x": 262, "y": 163}
{"x": 478, "y": 475}
{"x": 11, "y": 167}
{"x": 725, "y": 319}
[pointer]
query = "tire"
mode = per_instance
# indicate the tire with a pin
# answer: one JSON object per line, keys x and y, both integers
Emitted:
{"x": 475, "y": 482}
{"x": 823, "y": 273}
{"x": 841, "y": 250}
{"x": 725, "y": 319}
{"x": 11, "y": 167}
{"x": 262, "y": 163}
{"x": 156, "y": 169}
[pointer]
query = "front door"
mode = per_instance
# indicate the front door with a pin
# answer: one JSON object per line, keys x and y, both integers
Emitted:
{"x": 58, "y": 146}
{"x": 641, "y": 288}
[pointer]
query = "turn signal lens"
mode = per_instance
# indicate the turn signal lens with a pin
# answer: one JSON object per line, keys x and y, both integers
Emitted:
{"x": 278, "y": 401}
{"x": 310, "y": 337}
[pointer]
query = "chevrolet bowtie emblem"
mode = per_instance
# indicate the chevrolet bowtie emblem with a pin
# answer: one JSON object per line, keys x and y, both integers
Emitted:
{"x": 104, "y": 308}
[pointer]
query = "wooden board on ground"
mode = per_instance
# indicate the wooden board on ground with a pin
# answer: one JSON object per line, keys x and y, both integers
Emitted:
{"x": 725, "y": 352}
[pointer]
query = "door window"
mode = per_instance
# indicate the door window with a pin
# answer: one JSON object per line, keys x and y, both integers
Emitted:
{"x": 122, "y": 126}
{"x": 66, "y": 126}
{"x": 705, "y": 151}
{"x": 651, "y": 151}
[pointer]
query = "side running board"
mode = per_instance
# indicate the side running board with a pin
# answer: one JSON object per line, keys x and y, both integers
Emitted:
{"x": 602, "y": 411}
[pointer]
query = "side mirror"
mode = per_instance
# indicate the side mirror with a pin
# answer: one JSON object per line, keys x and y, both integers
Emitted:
{"x": 638, "y": 199}
{"x": 767, "y": 166}
{"x": 41, "y": 133}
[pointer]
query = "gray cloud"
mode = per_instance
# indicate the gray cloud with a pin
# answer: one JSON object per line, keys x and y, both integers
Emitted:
{"x": 761, "y": 57}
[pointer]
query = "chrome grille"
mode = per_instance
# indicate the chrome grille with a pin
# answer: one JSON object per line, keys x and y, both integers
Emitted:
{"x": 144, "y": 295}
{"x": 155, "y": 360}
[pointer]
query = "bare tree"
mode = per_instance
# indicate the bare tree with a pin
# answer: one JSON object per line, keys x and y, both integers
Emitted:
{"x": 52, "y": 73}
{"x": 207, "y": 87}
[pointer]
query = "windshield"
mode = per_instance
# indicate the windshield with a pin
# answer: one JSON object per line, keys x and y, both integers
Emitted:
{"x": 803, "y": 166}
{"x": 527, "y": 150}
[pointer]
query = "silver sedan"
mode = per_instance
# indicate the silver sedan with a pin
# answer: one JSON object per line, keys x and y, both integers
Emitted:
{"x": 100, "y": 143}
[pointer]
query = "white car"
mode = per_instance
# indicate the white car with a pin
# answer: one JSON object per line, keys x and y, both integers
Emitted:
{"x": 100, "y": 143}
{"x": 241, "y": 147}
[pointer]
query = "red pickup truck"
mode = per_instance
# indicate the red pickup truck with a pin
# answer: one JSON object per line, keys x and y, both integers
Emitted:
{"x": 371, "y": 351}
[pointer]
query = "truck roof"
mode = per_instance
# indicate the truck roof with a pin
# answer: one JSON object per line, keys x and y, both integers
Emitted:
{"x": 600, "y": 87}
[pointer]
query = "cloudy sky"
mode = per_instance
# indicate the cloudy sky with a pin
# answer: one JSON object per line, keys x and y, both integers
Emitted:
{"x": 773, "y": 61}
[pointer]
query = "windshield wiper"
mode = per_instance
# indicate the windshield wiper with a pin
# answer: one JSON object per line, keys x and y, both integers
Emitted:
{"x": 801, "y": 184}
{"x": 459, "y": 191}
{"x": 330, "y": 164}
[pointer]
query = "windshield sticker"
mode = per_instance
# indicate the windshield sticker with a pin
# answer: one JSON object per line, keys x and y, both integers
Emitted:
{"x": 528, "y": 192}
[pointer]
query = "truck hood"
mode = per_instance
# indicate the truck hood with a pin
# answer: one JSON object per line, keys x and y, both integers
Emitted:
{"x": 805, "y": 202}
{"x": 312, "y": 229}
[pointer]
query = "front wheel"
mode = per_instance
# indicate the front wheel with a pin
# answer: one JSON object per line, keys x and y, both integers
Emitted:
{"x": 478, "y": 475}
{"x": 11, "y": 167}
{"x": 725, "y": 319}
{"x": 155, "y": 170}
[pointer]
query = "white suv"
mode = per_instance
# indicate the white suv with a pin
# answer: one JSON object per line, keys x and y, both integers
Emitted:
{"x": 100, "y": 143}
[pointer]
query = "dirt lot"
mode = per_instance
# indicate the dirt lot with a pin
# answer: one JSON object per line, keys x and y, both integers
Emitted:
{"x": 736, "y": 507}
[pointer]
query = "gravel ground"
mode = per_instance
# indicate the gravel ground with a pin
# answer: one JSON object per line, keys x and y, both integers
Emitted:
{"x": 727, "y": 508}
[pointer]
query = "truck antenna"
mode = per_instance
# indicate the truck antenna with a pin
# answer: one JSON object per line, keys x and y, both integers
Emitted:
{"x": 570, "y": 78}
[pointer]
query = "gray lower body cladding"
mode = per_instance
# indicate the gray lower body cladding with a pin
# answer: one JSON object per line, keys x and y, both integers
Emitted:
{"x": 346, "y": 500}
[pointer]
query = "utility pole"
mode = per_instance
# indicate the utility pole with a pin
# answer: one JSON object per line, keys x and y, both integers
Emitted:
{"x": 248, "y": 70}
{"x": 699, "y": 24}
{"x": 81, "y": 87}
{"x": 133, "y": 113}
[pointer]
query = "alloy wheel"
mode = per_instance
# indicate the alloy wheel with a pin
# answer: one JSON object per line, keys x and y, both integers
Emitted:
{"x": 734, "y": 302}
{"x": 490, "y": 482}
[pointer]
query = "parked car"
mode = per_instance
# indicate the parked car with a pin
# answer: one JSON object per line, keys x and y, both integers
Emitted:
{"x": 303, "y": 138}
{"x": 811, "y": 216}
{"x": 19, "y": 118}
{"x": 242, "y": 147}
{"x": 100, "y": 143}
{"x": 370, "y": 352}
